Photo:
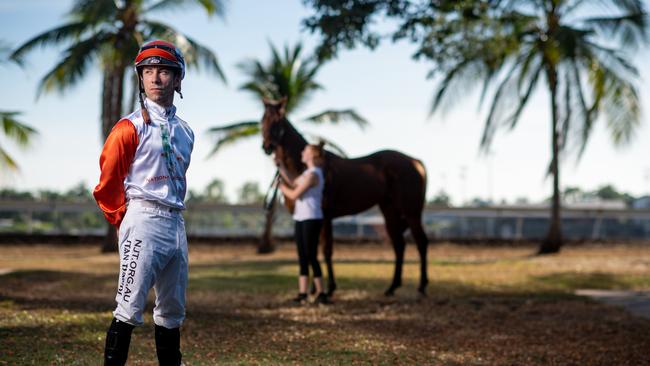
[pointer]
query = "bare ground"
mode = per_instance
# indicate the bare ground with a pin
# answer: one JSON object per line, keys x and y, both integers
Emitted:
{"x": 485, "y": 306}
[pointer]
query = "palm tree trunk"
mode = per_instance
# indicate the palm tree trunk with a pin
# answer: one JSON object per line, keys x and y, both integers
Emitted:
{"x": 112, "y": 94}
{"x": 266, "y": 244}
{"x": 554, "y": 240}
{"x": 135, "y": 89}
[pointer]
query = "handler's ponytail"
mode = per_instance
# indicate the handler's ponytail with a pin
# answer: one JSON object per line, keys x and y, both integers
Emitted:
{"x": 319, "y": 152}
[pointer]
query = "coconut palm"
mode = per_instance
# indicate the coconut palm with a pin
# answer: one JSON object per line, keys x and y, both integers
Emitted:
{"x": 289, "y": 76}
{"x": 108, "y": 33}
{"x": 581, "y": 49}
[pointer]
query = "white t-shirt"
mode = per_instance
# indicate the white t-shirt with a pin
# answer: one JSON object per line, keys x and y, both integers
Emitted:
{"x": 308, "y": 205}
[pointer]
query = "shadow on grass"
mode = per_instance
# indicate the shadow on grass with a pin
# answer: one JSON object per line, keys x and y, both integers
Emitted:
{"x": 53, "y": 340}
{"x": 240, "y": 313}
{"x": 575, "y": 281}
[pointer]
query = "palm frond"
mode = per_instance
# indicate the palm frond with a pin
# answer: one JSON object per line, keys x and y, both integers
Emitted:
{"x": 622, "y": 108}
{"x": 286, "y": 74}
{"x": 445, "y": 84}
{"x": 493, "y": 118}
{"x": 229, "y": 134}
{"x": 74, "y": 64}
{"x": 211, "y": 7}
{"x": 65, "y": 33}
{"x": 589, "y": 115}
{"x": 329, "y": 144}
{"x": 195, "y": 54}
{"x": 95, "y": 12}
{"x": 630, "y": 29}
{"x": 338, "y": 116}
{"x": 15, "y": 130}
{"x": 523, "y": 100}
{"x": 7, "y": 160}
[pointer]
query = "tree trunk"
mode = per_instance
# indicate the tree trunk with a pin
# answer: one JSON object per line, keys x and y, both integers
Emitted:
{"x": 112, "y": 94}
{"x": 134, "y": 91}
{"x": 266, "y": 244}
{"x": 554, "y": 240}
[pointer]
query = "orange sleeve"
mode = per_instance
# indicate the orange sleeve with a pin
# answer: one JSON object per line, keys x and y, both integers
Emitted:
{"x": 115, "y": 162}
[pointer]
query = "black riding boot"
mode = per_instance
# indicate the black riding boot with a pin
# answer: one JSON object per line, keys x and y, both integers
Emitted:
{"x": 118, "y": 339}
{"x": 168, "y": 346}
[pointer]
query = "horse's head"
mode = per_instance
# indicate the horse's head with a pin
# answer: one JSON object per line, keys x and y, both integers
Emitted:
{"x": 273, "y": 124}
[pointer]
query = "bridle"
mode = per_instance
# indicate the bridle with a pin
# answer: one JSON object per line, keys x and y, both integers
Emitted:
{"x": 276, "y": 134}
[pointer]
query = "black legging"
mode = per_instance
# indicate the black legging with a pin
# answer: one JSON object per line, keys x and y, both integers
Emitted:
{"x": 307, "y": 234}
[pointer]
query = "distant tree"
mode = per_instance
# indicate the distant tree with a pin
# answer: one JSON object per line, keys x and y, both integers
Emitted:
{"x": 573, "y": 194}
{"x": 609, "y": 192}
{"x": 48, "y": 195}
{"x": 79, "y": 193}
{"x": 250, "y": 193}
{"x": 441, "y": 199}
{"x": 215, "y": 192}
{"x": 479, "y": 202}
{"x": 13, "y": 195}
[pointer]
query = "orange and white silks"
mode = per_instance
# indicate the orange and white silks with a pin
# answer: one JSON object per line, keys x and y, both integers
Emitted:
{"x": 133, "y": 165}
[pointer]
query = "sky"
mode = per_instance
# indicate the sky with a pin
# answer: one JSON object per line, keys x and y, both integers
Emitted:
{"x": 386, "y": 86}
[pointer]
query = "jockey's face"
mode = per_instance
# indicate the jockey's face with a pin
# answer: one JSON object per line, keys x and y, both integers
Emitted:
{"x": 159, "y": 84}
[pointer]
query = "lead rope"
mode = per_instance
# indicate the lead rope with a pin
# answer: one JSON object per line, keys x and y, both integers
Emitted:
{"x": 268, "y": 204}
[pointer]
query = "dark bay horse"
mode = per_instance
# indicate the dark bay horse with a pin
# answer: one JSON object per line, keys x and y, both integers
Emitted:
{"x": 390, "y": 179}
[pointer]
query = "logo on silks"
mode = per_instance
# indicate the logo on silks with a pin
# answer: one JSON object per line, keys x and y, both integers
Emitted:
{"x": 154, "y": 60}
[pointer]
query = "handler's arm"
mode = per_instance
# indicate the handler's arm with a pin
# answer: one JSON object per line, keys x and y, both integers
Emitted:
{"x": 288, "y": 181}
{"x": 302, "y": 186}
{"x": 284, "y": 174}
{"x": 115, "y": 162}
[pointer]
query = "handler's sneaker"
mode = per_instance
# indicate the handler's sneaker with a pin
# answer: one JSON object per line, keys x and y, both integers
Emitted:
{"x": 322, "y": 299}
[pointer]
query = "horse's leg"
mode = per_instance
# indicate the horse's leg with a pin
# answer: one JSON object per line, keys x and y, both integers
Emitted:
{"x": 395, "y": 227}
{"x": 328, "y": 249}
{"x": 420, "y": 237}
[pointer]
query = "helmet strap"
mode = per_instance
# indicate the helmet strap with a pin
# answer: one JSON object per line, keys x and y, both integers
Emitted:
{"x": 143, "y": 109}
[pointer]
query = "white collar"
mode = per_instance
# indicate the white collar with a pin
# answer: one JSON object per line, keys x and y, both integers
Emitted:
{"x": 158, "y": 110}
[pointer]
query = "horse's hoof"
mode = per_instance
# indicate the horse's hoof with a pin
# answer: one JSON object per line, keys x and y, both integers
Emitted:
{"x": 390, "y": 292}
{"x": 422, "y": 292}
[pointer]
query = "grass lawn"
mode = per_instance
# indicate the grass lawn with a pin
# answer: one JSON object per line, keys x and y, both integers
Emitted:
{"x": 486, "y": 306}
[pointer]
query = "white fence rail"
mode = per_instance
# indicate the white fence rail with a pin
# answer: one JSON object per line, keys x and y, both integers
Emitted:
{"x": 230, "y": 221}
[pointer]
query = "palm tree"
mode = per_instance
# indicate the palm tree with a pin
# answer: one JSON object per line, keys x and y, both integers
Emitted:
{"x": 289, "y": 76}
{"x": 109, "y": 32}
{"x": 582, "y": 52}
{"x": 20, "y": 133}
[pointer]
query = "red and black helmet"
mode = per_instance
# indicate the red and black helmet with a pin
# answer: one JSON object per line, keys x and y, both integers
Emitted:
{"x": 160, "y": 53}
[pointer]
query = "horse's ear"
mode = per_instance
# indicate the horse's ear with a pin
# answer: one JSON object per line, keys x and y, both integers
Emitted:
{"x": 267, "y": 102}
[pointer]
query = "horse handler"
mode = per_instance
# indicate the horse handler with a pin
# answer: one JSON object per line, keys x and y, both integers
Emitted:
{"x": 307, "y": 191}
{"x": 141, "y": 191}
